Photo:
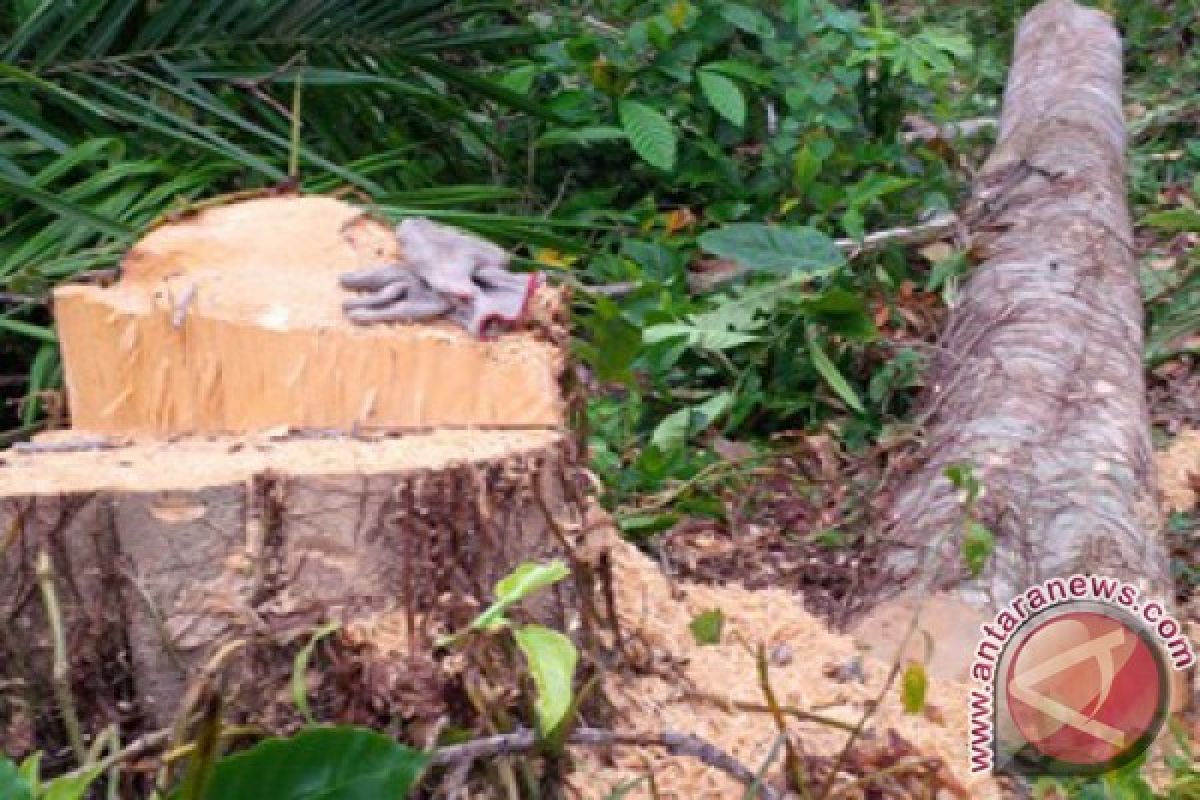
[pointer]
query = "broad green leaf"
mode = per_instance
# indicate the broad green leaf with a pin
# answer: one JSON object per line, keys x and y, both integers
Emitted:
{"x": 552, "y": 658}
{"x": 650, "y": 133}
{"x": 740, "y": 70}
{"x": 675, "y": 429}
{"x": 913, "y": 687}
{"x": 748, "y": 19}
{"x": 529, "y": 578}
{"x": 672, "y": 430}
{"x": 706, "y": 626}
{"x": 337, "y": 763}
{"x": 1176, "y": 220}
{"x": 842, "y": 312}
{"x": 31, "y": 768}
{"x": 13, "y": 785}
{"x": 717, "y": 339}
{"x": 833, "y": 377}
{"x": 772, "y": 248}
{"x": 613, "y": 342}
{"x": 724, "y": 96}
{"x": 977, "y": 546}
{"x": 516, "y": 586}
{"x": 300, "y": 670}
{"x": 72, "y": 786}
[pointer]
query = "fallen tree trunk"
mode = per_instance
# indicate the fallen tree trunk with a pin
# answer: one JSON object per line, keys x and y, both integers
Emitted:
{"x": 1038, "y": 386}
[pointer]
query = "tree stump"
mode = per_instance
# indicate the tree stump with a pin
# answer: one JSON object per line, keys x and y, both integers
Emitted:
{"x": 246, "y": 466}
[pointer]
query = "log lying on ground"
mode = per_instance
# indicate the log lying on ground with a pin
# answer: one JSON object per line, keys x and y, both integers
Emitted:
{"x": 230, "y": 320}
{"x": 163, "y": 553}
{"x": 1038, "y": 382}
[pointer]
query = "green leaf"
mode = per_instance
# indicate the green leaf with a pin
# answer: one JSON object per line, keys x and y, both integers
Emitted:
{"x": 523, "y": 581}
{"x": 977, "y": 546}
{"x": 706, "y": 626}
{"x": 715, "y": 339}
{"x": 527, "y": 579}
{"x": 650, "y": 133}
{"x": 13, "y": 785}
{"x": 740, "y": 70}
{"x": 614, "y": 342}
{"x": 672, "y": 430}
{"x": 748, "y": 19}
{"x": 337, "y": 763}
{"x": 962, "y": 477}
{"x": 1177, "y": 220}
{"x": 26, "y": 329}
{"x": 31, "y": 768}
{"x": 842, "y": 312}
{"x": 724, "y": 96}
{"x": 833, "y": 377}
{"x": 54, "y": 202}
{"x": 300, "y": 670}
{"x": 676, "y": 428}
{"x": 72, "y": 786}
{"x": 913, "y": 686}
{"x": 771, "y": 248}
{"x": 552, "y": 658}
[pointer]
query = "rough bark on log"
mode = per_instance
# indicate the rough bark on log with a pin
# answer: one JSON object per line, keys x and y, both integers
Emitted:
{"x": 1038, "y": 383}
{"x": 163, "y": 553}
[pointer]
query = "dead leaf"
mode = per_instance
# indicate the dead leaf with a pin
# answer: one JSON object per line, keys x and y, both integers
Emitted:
{"x": 936, "y": 251}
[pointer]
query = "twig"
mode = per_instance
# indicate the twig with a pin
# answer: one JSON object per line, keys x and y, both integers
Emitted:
{"x": 930, "y": 231}
{"x": 963, "y": 128}
{"x": 939, "y": 227}
{"x": 677, "y": 744}
{"x": 60, "y": 675}
{"x": 792, "y": 763}
{"x": 871, "y": 777}
{"x": 761, "y": 708}
{"x": 18, "y": 299}
{"x": 294, "y": 141}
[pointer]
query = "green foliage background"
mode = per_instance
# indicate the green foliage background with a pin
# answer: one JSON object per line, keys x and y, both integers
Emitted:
{"x": 613, "y": 143}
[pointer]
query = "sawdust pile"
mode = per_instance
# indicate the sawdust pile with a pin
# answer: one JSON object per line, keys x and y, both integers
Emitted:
{"x": 1179, "y": 472}
{"x": 694, "y": 688}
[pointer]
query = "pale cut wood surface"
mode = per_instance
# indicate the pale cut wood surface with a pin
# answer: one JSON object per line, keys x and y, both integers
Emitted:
{"x": 230, "y": 321}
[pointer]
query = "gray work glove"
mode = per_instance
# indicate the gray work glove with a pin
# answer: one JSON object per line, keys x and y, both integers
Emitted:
{"x": 446, "y": 273}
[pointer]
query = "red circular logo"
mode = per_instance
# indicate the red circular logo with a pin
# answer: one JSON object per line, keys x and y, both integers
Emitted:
{"x": 1086, "y": 689}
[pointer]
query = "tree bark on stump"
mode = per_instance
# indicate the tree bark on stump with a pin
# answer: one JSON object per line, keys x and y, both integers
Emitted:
{"x": 1037, "y": 384}
{"x": 154, "y": 575}
{"x": 247, "y": 465}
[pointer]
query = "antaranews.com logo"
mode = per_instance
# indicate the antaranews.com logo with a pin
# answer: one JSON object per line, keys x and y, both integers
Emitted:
{"x": 1073, "y": 678}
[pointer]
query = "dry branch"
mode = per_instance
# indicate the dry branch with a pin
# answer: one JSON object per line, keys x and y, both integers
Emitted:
{"x": 680, "y": 744}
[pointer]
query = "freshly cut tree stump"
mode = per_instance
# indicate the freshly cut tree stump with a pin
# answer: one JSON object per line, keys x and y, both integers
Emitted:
{"x": 245, "y": 465}
{"x": 230, "y": 320}
{"x": 1038, "y": 383}
{"x": 163, "y": 554}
